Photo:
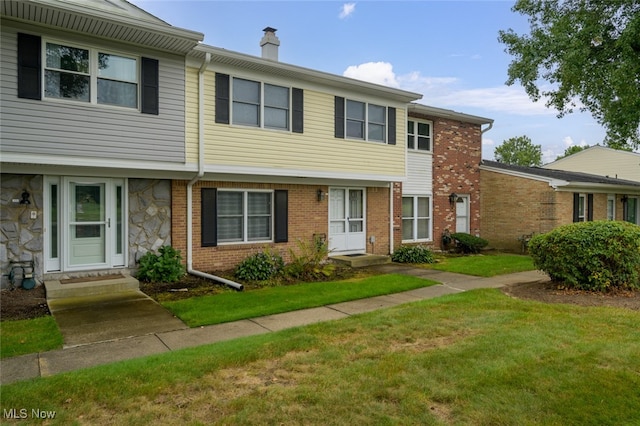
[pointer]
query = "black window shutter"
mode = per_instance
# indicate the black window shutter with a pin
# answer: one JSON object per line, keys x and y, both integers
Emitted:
{"x": 339, "y": 117}
{"x": 208, "y": 217}
{"x": 29, "y": 67}
{"x": 590, "y": 207}
{"x": 222, "y": 98}
{"x": 150, "y": 86}
{"x": 576, "y": 207}
{"x": 391, "y": 126}
{"x": 281, "y": 213}
{"x": 298, "y": 110}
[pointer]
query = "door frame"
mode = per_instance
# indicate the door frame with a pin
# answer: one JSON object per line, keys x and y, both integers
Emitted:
{"x": 347, "y": 247}
{"x": 56, "y": 232}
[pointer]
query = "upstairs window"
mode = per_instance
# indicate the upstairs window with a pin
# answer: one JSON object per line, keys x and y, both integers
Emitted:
{"x": 90, "y": 75}
{"x": 419, "y": 135}
{"x": 364, "y": 121}
{"x": 260, "y": 105}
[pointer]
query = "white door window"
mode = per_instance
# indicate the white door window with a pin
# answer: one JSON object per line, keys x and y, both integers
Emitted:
{"x": 346, "y": 220}
{"x": 462, "y": 214}
{"x": 84, "y": 223}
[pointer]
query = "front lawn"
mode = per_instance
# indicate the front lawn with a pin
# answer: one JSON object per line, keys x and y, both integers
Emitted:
{"x": 484, "y": 265}
{"x": 473, "y": 358}
{"x": 233, "y": 306}
{"x": 21, "y": 337}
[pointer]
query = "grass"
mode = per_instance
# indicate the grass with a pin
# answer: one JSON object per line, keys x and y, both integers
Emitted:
{"x": 28, "y": 336}
{"x": 474, "y": 358}
{"x": 225, "y": 307}
{"x": 484, "y": 265}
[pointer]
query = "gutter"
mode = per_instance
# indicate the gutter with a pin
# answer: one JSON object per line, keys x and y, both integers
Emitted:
{"x": 195, "y": 179}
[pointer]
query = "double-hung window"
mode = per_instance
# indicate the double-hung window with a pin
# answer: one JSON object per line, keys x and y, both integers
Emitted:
{"x": 244, "y": 216}
{"x": 419, "y": 135}
{"x": 260, "y": 105}
{"x": 416, "y": 218}
{"x": 366, "y": 121}
{"x": 90, "y": 75}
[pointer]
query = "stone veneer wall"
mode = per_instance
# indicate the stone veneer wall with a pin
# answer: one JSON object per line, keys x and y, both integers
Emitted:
{"x": 20, "y": 236}
{"x": 149, "y": 217}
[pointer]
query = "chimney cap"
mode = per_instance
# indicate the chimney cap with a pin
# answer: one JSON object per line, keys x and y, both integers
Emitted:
{"x": 269, "y": 30}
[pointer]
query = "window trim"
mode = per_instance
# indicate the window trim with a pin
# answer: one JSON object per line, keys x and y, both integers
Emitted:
{"x": 92, "y": 73}
{"x": 262, "y": 105}
{"x": 415, "y": 219}
{"x": 245, "y": 216}
{"x": 415, "y": 148}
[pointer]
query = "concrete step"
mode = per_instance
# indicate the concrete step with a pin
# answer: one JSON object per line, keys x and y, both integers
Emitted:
{"x": 96, "y": 286}
{"x": 360, "y": 261}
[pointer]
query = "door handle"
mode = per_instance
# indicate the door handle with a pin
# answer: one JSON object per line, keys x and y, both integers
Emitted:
{"x": 108, "y": 222}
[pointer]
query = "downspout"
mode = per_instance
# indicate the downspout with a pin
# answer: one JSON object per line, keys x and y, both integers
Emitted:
{"x": 391, "y": 220}
{"x": 195, "y": 179}
{"x": 487, "y": 129}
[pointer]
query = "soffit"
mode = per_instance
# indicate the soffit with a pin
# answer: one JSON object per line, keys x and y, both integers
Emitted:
{"x": 113, "y": 19}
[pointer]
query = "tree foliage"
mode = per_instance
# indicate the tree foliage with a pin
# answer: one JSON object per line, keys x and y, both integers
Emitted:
{"x": 572, "y": 150}
{"x": 519, "y": 151}
{"x": 588, "y": 53}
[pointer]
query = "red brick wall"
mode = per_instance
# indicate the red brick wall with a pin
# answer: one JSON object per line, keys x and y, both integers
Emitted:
{"x": 307, "y": 216}
{"x": 457, "y": 152}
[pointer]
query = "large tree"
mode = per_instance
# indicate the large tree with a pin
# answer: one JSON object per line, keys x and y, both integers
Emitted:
{"x": 572, "y": 150}
{"x": 582, "y": 54}
{"x": 519, "y": 151}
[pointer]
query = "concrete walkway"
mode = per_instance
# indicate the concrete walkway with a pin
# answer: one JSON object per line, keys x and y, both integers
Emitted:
{"x": 158, "y": 332}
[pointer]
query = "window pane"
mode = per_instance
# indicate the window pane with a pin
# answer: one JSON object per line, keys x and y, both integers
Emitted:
{"x": 410, "y": 141}
{"x": 230, "y": 229}
{"x": 276, "y": 118}
{"x": 410, "y": 125}
{"x": 117, "y": 67}
{"x": 407, "y": 206}
{"x": 376, "y": 132}
{"x": 68, "y": 86}
{"x": 259, "y": 203}
{"x": 259, "y": 228}
{"x": 377, "y": 114}
{"x": 54, "y": 221}
{"x": 407, "y": 229}
{"x": 423, "y": 129}
{"x": 246, "y": 114}
{"x": 230, "y": 203}
{"x": 423, "y": 207}
{"x": 67, "y": 58}
{"x": 423, "y": 228}
{"x": 355, "y": 110}
{"x": 246, "y": 91}
{"x": 276, "y": 96}
{"x": 112, "y": 92}
{"x": 424, "y": 144}
{"x": 355, "y": 129}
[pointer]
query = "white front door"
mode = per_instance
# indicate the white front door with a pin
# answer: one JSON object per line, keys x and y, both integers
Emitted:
{"x": 462, "y": 214}
{"x": 347, "y": 220}
{"x": 85, "y": 223}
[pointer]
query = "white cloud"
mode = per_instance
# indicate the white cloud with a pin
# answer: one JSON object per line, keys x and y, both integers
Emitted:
{"x": 373, "y": 72}
{"x": 347, "y": 10}
{"x": 568, "y": 141}
{"x": 488, "y": 142}
{"x": 549, "y": 155}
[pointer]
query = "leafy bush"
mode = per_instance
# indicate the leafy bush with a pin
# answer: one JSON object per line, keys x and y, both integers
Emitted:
{"x": 412, "y": 254}
{"x": 598, "y": 255}
{"x": 166, "y": 266}
{"x": 311, "y": 262}
{"x": 467, "y": 243}
{"x": 260, "y": 266}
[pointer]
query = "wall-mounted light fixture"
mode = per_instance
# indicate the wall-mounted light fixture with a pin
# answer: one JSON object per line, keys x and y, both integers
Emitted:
{"x": 25, "y": 197}
{"x": 453, "y": 198}
{"x": 320, "y": 194}
{"x": 624, "y": 199}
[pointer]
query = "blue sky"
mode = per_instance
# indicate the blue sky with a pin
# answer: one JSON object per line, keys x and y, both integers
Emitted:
{"x": 446, "y": 50}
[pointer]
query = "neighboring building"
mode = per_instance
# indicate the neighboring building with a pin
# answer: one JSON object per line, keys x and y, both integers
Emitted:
{"x": 93, "y": 113}
{"x": 442, "y": 192}
{"x": 518, "y": 202}
{"x": 601, "y": 161}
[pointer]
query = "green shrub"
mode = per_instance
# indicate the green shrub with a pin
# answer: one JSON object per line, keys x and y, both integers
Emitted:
{"x": 467, "y": 243}
{"x": 166, "y": 266}
{"x": 598, "y": 255}
{"x": 260, "y": 266}
{"x": 310, "y": 262}
{"x": 412, "y": 254}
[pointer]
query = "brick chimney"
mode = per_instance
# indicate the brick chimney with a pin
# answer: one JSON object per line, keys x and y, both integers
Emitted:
{"x": 269, "y": 44}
